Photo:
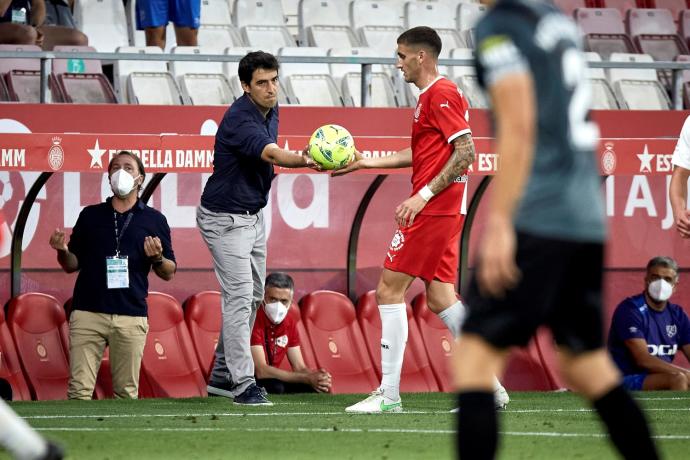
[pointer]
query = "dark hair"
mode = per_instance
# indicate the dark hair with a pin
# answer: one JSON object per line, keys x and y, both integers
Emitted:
{"x": 422, "y": 36}
{"x": 663, "y": 261}
{"x": 280, "y": 280}
{"x": 255, "y": 60}
{"x": 140, "y": 165}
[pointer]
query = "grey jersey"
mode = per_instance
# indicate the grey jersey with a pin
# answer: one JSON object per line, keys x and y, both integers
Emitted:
{"x": 562, "y": 199}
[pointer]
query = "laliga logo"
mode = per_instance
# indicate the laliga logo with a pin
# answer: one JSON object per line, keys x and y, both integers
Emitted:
{"x": 608, "y": 159}
{"x": 56, "y": 156}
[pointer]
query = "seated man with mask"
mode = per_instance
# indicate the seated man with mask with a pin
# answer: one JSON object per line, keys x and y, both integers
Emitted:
{"x": 275, "y": 337}
{"x": 647, "y": 330}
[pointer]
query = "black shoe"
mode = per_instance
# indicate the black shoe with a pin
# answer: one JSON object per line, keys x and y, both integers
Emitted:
{"x": 252, "y": 396}
{"x": 219, "y": 388}
{"x": 54, "y": 452}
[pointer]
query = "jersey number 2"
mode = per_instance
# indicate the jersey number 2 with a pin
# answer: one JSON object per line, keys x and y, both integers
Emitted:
{"x": 583, "y": 134}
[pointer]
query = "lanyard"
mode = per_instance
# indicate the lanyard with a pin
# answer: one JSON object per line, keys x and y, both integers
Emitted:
{"x": 118, "y": 234}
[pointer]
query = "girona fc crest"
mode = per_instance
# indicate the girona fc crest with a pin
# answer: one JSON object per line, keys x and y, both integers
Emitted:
{"x": 56, "y": 156}
{"x": 398, "y": 241}
{"x": 608, "y": 159}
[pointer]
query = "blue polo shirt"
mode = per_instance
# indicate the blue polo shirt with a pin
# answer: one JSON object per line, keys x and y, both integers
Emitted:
{"x": 241, "y": 180}
{"x": 93, "y": 239}
{"x": 664, "y": 331}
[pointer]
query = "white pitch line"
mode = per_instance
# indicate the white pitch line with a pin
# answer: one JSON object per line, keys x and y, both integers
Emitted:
{"x": 348, "y": 430}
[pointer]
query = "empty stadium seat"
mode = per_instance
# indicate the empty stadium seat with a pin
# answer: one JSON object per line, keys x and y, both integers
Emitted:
{"x": 254, "y": 13}
{"x": 377, "y": 24}
{"x": 169, "y": 368}
{"x": 438, "y": 341}
{"x": 349, "y": 77}
{"x": 684, "y": 26}
{"x": 145, "y": 82}
{"x": 621, "y": 5}
{"x": 10, "y": 367}
{"x": 201, "y": 83}
{"x": 526, "y": 369}
{"x": 654, "y": 32}
{"x": 685, "y": 78}
{"x": 267, "y": 38}
{"x": 637, "y": 89}
{"x": 202, "y": 313}
{"x": 22, "y": 76}
{"x": 39, "y": 327}
{"x": 215, "y": 12}
{"x": 604, "y": 31}
{"x": 416, "y": 375}
{"x": 603, "y": 97}
{"x": 104, "y": 22}
{"x": 467, "y": 16}
{"x": 330, "y": 322}
{"x": 466, "y": 79}
{"x": 309, "y": 83}
{"x": 218, "y": 36}
{"x": 290, "y": 11}
{"x": 674, "y": 6}
{"x": 81, "y": 81}
{"x": 324, "y": 23}
{"x": 436, "y": 13}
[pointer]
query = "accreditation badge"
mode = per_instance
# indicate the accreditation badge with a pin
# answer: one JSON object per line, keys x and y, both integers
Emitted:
{"x": 117, "y": 272}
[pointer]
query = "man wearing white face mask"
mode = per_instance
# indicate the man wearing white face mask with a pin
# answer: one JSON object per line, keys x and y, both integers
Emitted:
{"x": 647, "y": 331}
{"x": 114, "y": 245}
{"x": 274, "y": 337}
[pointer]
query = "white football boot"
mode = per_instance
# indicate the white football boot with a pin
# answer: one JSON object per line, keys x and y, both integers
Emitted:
{"x": 501, "y": 399}
{"x": 376, "y": 403}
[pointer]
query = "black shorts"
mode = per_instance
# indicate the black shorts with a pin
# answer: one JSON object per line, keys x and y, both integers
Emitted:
{"x": 560, "y": 288}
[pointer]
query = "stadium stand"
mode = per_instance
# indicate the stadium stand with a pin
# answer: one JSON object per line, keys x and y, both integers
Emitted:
{"x": 416, "y": 375}
{"x": 22, "y": 76}
{"x": 104, "y": 22}
{"x": 262, "y": 24}
{"x": 145, "y": 82}
{"x": 216, "y": 12}
{"x": 81, "y": 81}
{"x": 466, "y": 79}
{"x": 202, "y": 315}
{"x": 438, "y": 341}
{"x": 674, "y": 6}
{"x": 603, "y": 97}
{"x": 436, "y": 13}
{"x": 10, "y": 367}
{"x": 621, "y": 5}
{"x": 39, "y": 328}
{"x": 309, "y": 84}
{"x": 321, "y": 23}
{"x": 305, "y": 344}
{"x": 569, "y": 6}
{"x": 349, "y": 79}
{"x": 467, "y": 16}
{"x": 637, "y": 89}
{"x": 377, "y": 24}
{"x": 169, "y": 368}
{"x": 331, "y": 325}
{"x": 218, "y": 36}
{"x": 604, "y": 32}
{"x": 685, "y": 76}
{"x": 201, "y": 83}
{"x": 290, "y": 12}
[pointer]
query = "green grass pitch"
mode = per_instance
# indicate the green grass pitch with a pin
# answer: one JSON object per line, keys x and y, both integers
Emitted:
{"x": 535, "y": 426}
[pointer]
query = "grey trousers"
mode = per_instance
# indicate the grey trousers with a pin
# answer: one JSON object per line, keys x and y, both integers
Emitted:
{"x": 238, "y": 246}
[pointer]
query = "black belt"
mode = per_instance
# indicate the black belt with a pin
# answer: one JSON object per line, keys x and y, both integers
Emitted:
{"x": 246, "y": 212}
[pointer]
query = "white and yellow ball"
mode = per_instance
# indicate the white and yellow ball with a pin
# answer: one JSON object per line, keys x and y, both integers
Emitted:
{"x": 332, "y": 146}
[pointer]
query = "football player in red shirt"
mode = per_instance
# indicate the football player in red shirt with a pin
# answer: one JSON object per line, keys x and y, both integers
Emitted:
{"x": 426, "y": 243}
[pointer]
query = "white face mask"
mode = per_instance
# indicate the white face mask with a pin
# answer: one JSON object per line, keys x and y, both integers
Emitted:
{"x": 660, "y": 290}
{"x": 276, "y": 312}
{"x": 122, "y": 182}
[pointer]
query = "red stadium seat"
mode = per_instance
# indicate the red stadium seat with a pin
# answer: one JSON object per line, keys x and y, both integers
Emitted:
{"x": 330, "y": 322}
{"x": 604, "y": 32}
{"x": 169, "y": 368}
{"x": 416, "y": 375}
{"x": 527, "y": 369}
{"x": 38, "y": 325}
{"x": 305, "y": 343}
{"x": 10, "y": 368}
{"x": 202, "y": 313}
{"x": 437, "y": 339}
{"x": 684, "y": 26}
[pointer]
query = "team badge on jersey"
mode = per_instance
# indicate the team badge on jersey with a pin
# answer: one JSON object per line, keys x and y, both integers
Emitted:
{"x": 417, "y": 112}
{"x": 396, "y": 244}
{"x": 282, "y": 341}
{"x": 671, "y": 330}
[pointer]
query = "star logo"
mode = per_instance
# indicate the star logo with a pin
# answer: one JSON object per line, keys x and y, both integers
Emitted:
{"x": 645, "y": 160}
{"x": 96, "y": 154}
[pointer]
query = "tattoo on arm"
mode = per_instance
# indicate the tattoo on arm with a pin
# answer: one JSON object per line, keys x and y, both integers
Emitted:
{"x": 461, "y": 158}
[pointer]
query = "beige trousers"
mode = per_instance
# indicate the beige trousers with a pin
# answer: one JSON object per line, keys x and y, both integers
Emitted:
{"x": 89, "y": 334}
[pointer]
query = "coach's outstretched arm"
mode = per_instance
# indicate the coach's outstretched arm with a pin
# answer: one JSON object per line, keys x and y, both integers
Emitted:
{"x": 66, "y": 259}
{"x": 286, "y": 158}
{"x": 401, "y": 159}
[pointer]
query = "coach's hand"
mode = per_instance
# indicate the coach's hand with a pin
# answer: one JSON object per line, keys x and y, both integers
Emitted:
{"x": 58, "y": 240}
{"x": 497, "y": 271}
{"x": 408, "y": 210}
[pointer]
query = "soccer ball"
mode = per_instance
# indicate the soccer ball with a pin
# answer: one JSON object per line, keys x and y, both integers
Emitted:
{"x": 332, "y": 146}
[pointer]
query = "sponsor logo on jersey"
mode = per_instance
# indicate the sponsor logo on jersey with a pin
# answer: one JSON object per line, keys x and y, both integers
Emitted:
{"x": 662, "y": 350}
{"x": 632, "y": 329}
{"x": 417, "y": 112}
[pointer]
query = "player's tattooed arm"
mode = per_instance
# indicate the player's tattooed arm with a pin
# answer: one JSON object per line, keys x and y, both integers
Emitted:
{"x": 461, "y": 159}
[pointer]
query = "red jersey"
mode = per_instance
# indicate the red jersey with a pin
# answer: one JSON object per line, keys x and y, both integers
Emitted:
{"x": 275, "y": 338}
{"x": 441, "y": 116}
